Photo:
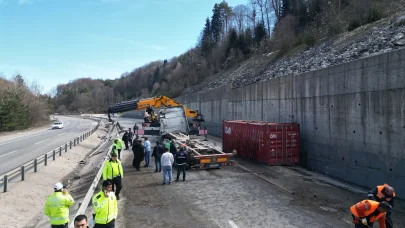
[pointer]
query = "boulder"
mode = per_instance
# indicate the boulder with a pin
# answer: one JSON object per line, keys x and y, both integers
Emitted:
{"x": 398, "y": 21}
{"x": 400, "y": 42}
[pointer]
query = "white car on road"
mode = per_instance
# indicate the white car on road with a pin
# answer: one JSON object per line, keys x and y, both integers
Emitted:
{"x": 57, "y": 125}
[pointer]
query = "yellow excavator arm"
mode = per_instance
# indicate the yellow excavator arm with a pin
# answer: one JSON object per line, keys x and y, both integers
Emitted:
{"x": 158, "y": 101}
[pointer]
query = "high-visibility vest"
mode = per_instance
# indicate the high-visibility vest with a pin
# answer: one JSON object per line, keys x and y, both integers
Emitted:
{"x": 365, "y": 208}
{"x": 105, "y": 208}
{"x": 118, "y": 145}
{"x": 112, "y": 169}
{"x": 57, "y": 208}
{"x": 380, "y": 195}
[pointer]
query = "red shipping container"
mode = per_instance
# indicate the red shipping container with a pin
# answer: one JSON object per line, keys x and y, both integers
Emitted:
{"x": 265, "y": 142}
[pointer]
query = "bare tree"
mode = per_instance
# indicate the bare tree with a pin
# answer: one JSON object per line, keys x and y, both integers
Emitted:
{"x": 275, "y": 4}
{"x": 240, "y": 16}
{"x": 252, "y": 14}
{"x": 260, "y": 4}
{"x": 267, "y": 7}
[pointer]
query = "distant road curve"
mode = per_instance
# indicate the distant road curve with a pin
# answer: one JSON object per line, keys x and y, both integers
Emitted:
{"x": 15, "y": 151}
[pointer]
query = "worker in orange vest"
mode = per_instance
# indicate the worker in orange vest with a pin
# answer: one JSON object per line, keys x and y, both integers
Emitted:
{"x": 366, "y": 212}
{"x": 384, "y": 193}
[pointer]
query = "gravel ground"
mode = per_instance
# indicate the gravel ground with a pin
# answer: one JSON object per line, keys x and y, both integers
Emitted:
{"x": 247, "y": 195}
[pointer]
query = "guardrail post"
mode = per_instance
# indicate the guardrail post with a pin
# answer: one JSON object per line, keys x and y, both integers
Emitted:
{"x": 5, "y": 183}
{"x": 35, "y": 165}
{"x": 65, "y": 147}
{"x": 74, "y": 142}
{"x": 53, "y": 155}
{"x": 60, "y": 151}
{"x": 22, "y": 173}
{"x": 70, "y": 144}
{"x": 46, "y": 159}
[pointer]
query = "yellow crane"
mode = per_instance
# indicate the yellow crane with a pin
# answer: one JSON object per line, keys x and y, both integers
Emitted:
{"x": 155, "y": 102}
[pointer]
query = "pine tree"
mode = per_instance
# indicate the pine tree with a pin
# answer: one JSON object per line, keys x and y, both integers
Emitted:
{"x": 216, "y": 24}
{"x": 206, "y": 39}
{"x": 260, "y": 33}
{"x": 232, "y": 41}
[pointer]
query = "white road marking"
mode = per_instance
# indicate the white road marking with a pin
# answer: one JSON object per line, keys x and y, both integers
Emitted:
{"x": 8, "y": 153}
{"x": 16, "y": 140}
{"x": 41, "y": 141}
{"x": 62, "y": 134}
{"x": 233, "y": 224}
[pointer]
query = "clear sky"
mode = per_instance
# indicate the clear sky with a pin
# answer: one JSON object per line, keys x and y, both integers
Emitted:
{"x": 55, "y": 41}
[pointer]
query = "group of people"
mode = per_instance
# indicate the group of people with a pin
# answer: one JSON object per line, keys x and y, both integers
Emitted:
{"x": 127, "y": 138}
{"x": 104, "y": 204}
{"x": 377, "y": 207}
{"x": 164, "y": 157}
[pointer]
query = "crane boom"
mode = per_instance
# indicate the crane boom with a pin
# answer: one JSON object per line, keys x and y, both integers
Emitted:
{"x": 156, "y": 102}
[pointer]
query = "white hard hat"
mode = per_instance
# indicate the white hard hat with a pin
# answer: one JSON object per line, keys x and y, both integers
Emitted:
{"x": 58, "y": 186}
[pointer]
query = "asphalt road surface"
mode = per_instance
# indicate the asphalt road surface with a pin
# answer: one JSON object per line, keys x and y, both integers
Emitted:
{"x": 15, "y": 151}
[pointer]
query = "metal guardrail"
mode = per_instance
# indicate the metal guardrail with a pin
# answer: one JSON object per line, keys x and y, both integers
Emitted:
{"x": 84, "y": 204}
{"x": 33, "y": 164}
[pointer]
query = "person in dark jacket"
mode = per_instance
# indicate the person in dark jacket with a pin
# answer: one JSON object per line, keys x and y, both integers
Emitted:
{"x": 181, "y": 160}
{"x": 130, "y": 136}
{"x": 173, "y": 148}
{"x": 137, "y": 149}
{"x": 125, "y": 138}
{"x": 157, "y": 154}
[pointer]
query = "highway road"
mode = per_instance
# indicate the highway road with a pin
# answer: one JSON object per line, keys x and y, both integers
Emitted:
{"x": 15, "y": 151}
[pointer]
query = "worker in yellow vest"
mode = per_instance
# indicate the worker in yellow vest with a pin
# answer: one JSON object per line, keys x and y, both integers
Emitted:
{"x": 57, "y": 206}
{"x": 118, "y": 146}
{"x": 113, "y": 172}
{"x": 105, "y": 207}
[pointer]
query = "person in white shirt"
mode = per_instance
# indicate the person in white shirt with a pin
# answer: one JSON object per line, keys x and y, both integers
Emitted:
{"x": 146, "y": 145}
{"x": 167, "y": 160}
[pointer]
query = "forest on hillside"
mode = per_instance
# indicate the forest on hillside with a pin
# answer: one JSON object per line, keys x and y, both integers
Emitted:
{"x": 231, "y": 35}
{"x": 22, "y": 105}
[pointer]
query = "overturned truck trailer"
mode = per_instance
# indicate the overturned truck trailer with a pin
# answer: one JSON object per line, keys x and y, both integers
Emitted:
{"x": 172, "y": 120}
{"x": 200, "y": 154}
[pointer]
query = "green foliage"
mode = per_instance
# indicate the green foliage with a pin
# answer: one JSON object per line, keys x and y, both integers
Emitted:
{"x": 260, "y": 33}
{"x": 308, "y": 39}
{"x": 206, "y": 39}
{"x": 13, "y": 113}
{"x": 353, "y": 24}
{"x": 374, "y": 15}
{"x": 216, "y": 24}
{"x": 233, "y": 41}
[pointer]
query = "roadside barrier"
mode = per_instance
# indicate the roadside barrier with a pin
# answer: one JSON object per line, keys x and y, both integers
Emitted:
{"x": 89, "y": 195}
{"x": 34, "y": 164}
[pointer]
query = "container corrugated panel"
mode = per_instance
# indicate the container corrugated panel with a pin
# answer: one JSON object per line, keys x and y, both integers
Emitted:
{"x": 265, "y": 142}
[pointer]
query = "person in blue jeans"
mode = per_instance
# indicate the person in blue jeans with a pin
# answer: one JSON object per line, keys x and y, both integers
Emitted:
{"x": 146, "y": 145}
{"x": 167, "y": 160}
{"x": 157, "y": 154}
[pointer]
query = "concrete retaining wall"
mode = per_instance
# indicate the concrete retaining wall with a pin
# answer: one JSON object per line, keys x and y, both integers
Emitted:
{"x": 352, "y": 116}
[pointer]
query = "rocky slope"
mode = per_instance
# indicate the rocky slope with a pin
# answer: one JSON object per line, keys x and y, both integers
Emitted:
{"x": 380, "y": 37}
